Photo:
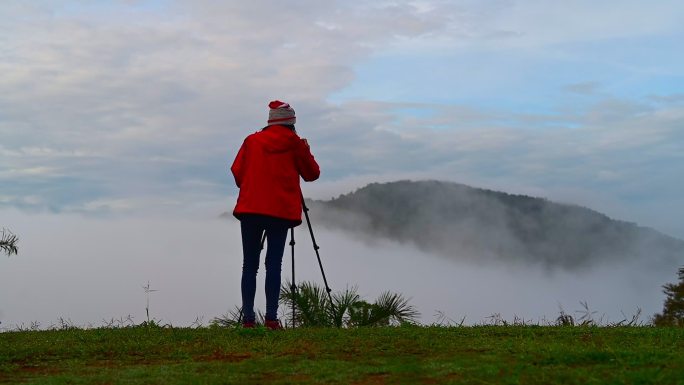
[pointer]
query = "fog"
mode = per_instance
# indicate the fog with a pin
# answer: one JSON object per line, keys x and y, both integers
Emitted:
{"x": 91, "y": 270}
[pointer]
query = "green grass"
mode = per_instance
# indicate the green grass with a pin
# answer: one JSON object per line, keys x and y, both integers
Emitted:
{"x": 389, "y": 355}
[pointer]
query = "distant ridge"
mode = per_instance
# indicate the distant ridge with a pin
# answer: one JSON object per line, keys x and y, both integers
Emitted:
{"x": 463, "y": 222}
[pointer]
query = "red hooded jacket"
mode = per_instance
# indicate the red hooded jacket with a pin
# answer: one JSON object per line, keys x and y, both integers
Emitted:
{"x": 267, "y": 170}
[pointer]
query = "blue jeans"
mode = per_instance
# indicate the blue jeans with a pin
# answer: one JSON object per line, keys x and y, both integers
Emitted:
{"x": 253, "y": 227}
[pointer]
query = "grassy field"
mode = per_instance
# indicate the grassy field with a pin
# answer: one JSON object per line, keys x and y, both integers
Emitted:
{"x": 389, "y": 355}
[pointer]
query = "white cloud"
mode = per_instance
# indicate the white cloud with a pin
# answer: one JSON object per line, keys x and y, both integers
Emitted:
{"x": 140, "y": 100}
{"x": 30, "y": 171}
{"x": 110, "y": 86}
{"x": 534, "y": 24}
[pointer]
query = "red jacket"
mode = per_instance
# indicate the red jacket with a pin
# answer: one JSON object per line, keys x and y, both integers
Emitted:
{"x": 267, "y": 170}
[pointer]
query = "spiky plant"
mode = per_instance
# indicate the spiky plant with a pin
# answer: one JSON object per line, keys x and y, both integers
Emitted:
{"x": 313, "y": 307}
{"x": 8, "y": 242}
{"x": 388, "y": 309}
{"x": 344, "y": 302}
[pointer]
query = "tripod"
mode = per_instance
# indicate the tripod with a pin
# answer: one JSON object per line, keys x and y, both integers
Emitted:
{"x": 293, "y": 286}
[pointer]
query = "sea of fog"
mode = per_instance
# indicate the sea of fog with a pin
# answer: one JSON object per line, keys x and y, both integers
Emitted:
{"x": 89, "y": 271}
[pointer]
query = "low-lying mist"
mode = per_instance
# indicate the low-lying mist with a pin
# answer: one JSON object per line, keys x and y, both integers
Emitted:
{"x": 90, "y": 271}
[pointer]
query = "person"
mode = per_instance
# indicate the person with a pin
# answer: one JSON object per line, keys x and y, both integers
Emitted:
{"x": 267, "y": 170}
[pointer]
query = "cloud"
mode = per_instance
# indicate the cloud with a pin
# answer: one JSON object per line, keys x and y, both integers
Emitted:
{"x": 132, "y": 98}
{"x": 584, "y": 88}
{"x": 147, "y": 102}
{"x": 614, "y": 151}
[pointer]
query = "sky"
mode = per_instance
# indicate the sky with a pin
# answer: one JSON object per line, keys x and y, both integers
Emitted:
{"x": 135, "y": 109}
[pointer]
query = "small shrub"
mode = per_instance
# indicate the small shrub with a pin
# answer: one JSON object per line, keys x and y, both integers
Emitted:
{"x": 564, "y": 319}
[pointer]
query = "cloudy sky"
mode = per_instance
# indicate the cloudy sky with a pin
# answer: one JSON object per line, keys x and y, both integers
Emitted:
{"x": 130, "y": 106}
{"x": 113, "y": 109}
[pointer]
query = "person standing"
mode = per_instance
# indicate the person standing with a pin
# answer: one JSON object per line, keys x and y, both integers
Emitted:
{"x": 267, "y": 170}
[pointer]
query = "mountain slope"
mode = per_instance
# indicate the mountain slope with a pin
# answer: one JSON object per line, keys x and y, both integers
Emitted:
{"x": 463, "y": 222}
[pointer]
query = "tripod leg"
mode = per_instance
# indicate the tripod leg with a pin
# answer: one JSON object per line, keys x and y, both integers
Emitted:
{"x": 316, "y": 247}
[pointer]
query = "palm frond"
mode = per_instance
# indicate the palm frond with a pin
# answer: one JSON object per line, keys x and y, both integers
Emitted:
{"x": 311, "y": 303}
{"x": 8, "y": 242}
{"x": 314, "y": 308}
{"x": 394, "y": 308}
{"x": 343, "y": 302}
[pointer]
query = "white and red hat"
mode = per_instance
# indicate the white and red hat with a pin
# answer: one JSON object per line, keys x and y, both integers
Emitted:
{"x": 281, "y": 113}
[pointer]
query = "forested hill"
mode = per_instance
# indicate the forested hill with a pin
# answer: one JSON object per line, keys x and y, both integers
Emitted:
{"x": 463, "y": 222}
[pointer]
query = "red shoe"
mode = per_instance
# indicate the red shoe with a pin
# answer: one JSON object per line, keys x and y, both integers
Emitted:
{"x": 248, "y": 325}
{"x": 273, "y": 325}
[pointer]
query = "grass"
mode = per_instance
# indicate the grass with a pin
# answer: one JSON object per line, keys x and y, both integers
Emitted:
{"x": 383, "y": 355}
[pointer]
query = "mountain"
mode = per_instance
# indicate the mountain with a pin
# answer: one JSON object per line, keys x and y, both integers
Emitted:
{"x": 462, "y": 222}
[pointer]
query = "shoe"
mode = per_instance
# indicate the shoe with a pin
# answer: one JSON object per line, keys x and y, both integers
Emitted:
{"x": 248, "y": 325}
{"x": 273, "y": 325}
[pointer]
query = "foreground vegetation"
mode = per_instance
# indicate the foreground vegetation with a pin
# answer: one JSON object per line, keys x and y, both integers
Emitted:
{"x": 379, "y": 355}
{"x": 8, "y": 242}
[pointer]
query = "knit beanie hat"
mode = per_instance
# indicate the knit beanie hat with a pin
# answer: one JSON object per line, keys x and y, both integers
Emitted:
{"x": 280, "y": 113}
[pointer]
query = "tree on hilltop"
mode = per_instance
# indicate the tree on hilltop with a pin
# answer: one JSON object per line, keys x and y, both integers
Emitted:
{"x": 673, "y": 309}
